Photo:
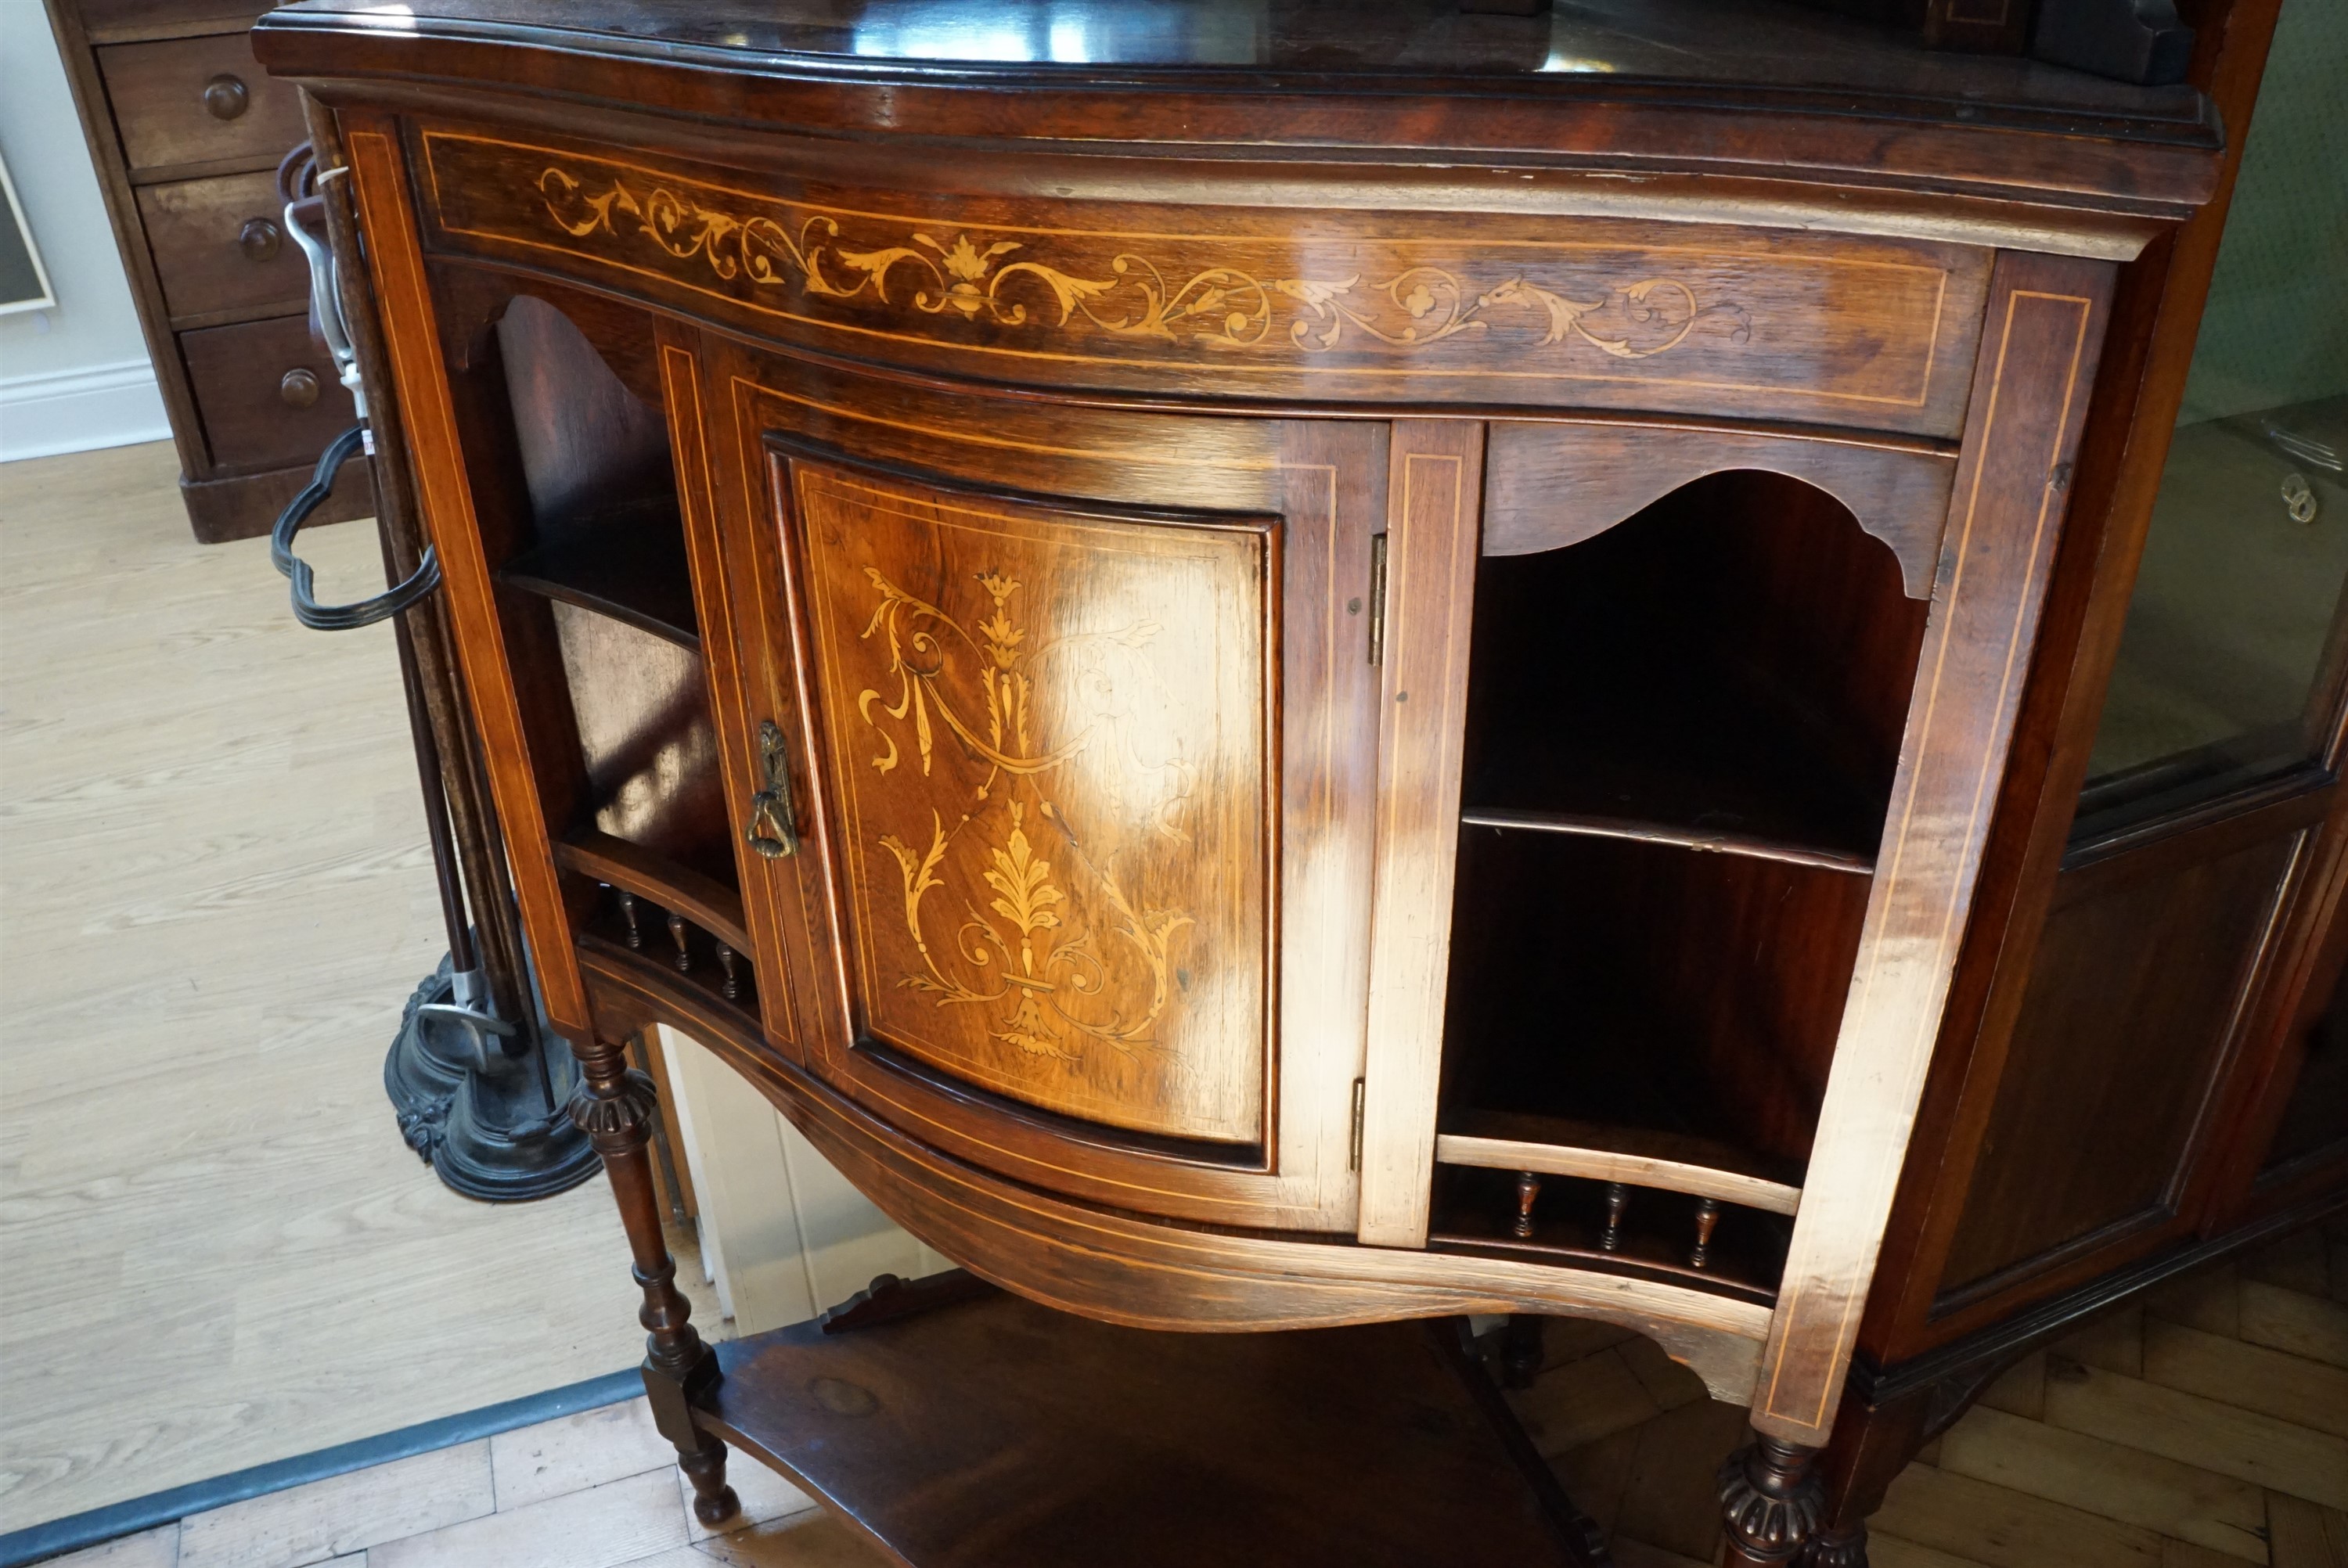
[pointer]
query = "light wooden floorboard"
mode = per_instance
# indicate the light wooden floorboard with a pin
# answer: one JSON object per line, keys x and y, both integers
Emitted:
{"x": 2188, "y": 1432}
{"x": 217, "y": 897}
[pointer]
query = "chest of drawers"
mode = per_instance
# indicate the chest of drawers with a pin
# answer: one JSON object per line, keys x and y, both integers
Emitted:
{"x": 187, "y": 131}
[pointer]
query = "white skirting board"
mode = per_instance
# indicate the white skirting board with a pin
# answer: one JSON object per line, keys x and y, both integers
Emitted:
{"x": 783, "y": 1234}
{"x": 80, "y": 410}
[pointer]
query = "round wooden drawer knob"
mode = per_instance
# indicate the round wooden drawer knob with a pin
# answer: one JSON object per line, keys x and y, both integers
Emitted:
{"x": 298, "y": 389}
{"x": 226, "y": 97}
{"x": 259, "y": 239}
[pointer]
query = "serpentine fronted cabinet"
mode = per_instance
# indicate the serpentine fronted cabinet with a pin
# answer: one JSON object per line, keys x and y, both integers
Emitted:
{"x": 1280, "y": 738}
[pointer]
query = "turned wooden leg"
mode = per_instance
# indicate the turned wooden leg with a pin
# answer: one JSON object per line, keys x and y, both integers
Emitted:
{"x": 1523, "y": 1349}
{"x": 614, "y": 1107}
{"x": 1771, "y": 1502}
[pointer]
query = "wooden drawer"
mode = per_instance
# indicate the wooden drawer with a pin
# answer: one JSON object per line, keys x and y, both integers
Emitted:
{"x": 135, "y": 21}
{"x": 254, "y": 417}
{"x": 220, "y": 245}
{"x": 187, "y": 101}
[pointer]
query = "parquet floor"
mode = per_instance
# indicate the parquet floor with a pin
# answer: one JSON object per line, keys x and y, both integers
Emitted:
{"x": 214, "y": 897}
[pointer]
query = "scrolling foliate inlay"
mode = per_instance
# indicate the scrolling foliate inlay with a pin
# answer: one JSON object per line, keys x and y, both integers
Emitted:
{"x": 1215, "y": 307}
{"x": 1042, "y": 982}
{"x": 1050, "y": 749}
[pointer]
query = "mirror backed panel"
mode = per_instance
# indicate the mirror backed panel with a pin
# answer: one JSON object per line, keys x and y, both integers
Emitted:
{"x": 1047, "y": 735}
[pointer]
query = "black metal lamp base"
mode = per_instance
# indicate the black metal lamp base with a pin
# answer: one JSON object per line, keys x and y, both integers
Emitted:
{"x": 494, "y": 1127}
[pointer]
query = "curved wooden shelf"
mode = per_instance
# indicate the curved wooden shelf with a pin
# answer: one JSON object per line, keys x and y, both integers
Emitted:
{"x": 630, "y": 566}
{"x": 1757, "y": 846}
{"x": 1670, "y": 1163}
{"x": 706, "y": 902}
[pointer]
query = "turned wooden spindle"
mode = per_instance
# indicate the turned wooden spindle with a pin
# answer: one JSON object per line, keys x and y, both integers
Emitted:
{"x": 628, "y": 913}
{"x": 730, "y": 988}
{"x": 1707, "y": 1216}
{"x": 1527, "y": 1190}
{"x": 1618, "y": 1199}
{"x": 681, "y": 934}
{"x": 616, "y": 1106}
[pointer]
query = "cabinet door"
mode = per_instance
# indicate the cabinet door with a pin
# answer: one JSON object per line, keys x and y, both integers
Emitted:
{"x": 1080, "y": 777}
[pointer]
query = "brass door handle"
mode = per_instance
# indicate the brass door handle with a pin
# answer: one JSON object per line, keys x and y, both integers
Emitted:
{"x": 773, "y": 828}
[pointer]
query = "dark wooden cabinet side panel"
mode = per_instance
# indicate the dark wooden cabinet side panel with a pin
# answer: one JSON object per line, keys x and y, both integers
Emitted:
{"x": 2315, "y": 1111}
{"x": 2126, "y": 1021}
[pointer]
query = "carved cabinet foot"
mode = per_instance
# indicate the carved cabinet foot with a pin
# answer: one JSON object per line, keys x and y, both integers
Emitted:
{"x": 1844, "y": 1548}
{"x": 1772, "y": 1500}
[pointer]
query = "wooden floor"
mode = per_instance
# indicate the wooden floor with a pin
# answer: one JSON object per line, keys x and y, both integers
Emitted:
{"x": 2205, "y": 1430}
{"x": 2209, "y": 1430}
{"x": 214, "y": 897}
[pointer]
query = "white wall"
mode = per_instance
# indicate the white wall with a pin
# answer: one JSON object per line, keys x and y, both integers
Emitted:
{"x": 78, "y": 376}
{"x": 783, "y": 1234}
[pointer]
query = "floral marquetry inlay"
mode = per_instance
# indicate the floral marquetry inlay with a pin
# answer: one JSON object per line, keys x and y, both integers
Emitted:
{"x": 1216, "y": 306}
{"x": 1049, "y": 734}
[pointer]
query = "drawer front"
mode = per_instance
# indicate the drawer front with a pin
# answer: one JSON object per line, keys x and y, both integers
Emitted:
{"x": 220, "y": 245}
{"x": 267, "y": 393}
{"x": 197, "y": 100}
{"x": 1225, "y": 301}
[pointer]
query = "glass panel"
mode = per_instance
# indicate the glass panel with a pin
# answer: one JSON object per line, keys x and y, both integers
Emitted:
{"x": 2236, "y": 623}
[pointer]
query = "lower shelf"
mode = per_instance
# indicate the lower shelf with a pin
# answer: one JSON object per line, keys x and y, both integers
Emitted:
{"x": 996, "y": 1433}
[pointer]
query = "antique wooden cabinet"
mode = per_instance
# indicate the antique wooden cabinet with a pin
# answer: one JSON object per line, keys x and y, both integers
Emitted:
{"x": 1284, "y": 665}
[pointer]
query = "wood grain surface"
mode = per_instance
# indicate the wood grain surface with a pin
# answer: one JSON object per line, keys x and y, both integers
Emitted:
{"x": 166, "y": 124}
{"x": 1430, "y": 593}
{"x": 2028, "y": 406}
{"x": 1049, "y": 737}
{"x": 1466, "y": 308}
{"x": 1549, "y": 486}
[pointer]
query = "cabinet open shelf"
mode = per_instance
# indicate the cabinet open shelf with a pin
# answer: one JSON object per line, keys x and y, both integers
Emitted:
{"x": 629, "y": 565}
{"x": 599, "y": 602}
{"x": 1725, "y": 673}
{"x": 1686, "y": 837}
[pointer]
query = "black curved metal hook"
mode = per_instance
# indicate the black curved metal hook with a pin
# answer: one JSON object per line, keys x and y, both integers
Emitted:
{"x": 339, "y": 617}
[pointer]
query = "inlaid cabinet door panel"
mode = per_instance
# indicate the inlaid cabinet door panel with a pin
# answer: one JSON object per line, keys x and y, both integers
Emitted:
{"x": 1082, "y": 727}
{"x": 1048, "y": 738}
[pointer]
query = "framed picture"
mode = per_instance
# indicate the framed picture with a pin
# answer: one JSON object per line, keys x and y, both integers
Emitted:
{"x": 24, "y": 282}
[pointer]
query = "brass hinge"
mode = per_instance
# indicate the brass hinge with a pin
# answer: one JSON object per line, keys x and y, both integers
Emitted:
{"x": 1377, "y": 599}
{"x": 1361, "y": 1098}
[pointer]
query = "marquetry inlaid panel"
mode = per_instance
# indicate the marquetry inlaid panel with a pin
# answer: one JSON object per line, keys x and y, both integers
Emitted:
{"x": 1048, "y": 738}
{"x": 1462, "y": 307}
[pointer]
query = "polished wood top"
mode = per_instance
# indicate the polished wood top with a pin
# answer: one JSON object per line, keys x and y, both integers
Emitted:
{"x": 1739, "y": 87}
{"x": 1588, "y": 49}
